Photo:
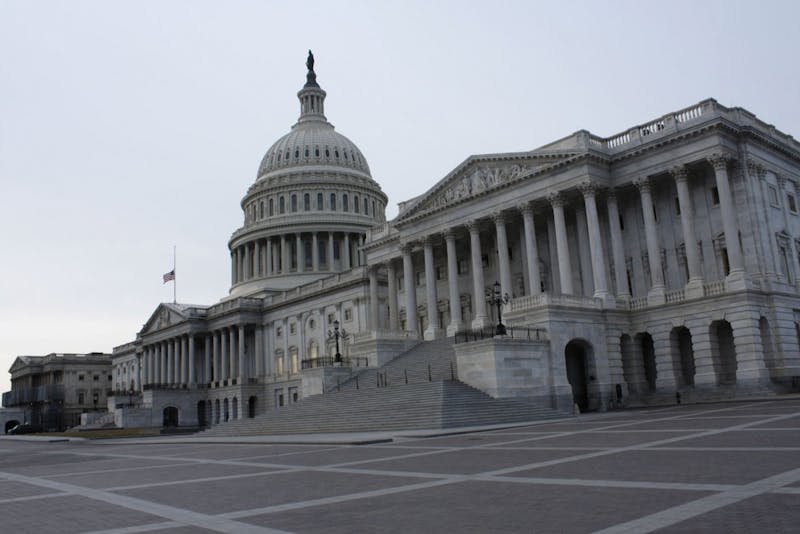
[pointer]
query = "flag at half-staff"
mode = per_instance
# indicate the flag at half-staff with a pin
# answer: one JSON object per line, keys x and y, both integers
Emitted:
{"x": 169, "y": 277}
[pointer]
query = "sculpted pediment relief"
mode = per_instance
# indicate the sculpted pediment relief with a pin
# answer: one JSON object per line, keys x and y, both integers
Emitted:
{"x": 163, "y": 317}
{"x": 473, "y": 181}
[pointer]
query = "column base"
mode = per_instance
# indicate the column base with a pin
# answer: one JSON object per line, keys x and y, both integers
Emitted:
{"x": 694, "y": 289}
{"x": 481, "y": 322}
{"x": 738, "y": 280}
{"x": 656, "y": 296}
{"x": 454, "y": 328}
{"x": 433, "y": 333}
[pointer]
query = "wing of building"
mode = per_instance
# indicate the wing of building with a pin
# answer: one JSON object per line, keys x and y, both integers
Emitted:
{"x": 661, "y": 260}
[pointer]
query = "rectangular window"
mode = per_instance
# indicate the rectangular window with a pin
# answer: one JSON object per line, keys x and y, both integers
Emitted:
{"x": 348, "y": 314}
{"x": 400, "y": 283}
{"x": 278, "y": 332}
{"x": 485, "y": 260}
{"x": 320, "y": 206}
{"x": 440, "y": 272}
{"x": 293, "y": 328}
{"x": 791, "y": 202}
{"x": 715, "y": 196}
{"x": 331, "y": 318}
{"x": 773, "y": 196}
{"x": 463, "y": 266}
{"x": 333, "y": 201}
{"x": 420, "y": 278}
{"x": 81, "y": 398}
{"x": 80, "y": 377}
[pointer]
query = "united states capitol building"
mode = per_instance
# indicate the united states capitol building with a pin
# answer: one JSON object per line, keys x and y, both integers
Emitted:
{"x": 659, "y": 261}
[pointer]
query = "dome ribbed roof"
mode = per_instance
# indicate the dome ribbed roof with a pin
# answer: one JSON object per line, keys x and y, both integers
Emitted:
{"x": 313, "y": 143}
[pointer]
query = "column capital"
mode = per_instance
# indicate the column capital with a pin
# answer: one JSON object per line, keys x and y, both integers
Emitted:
{"x": 525, "y": 207}
{"x": 449, "y": 234}
{"x": 588, "y": 188}
{"x": 407, "y": 247}
{"x": 498, "y": 218}
{"x": 555, "y": 199}
{"x": 643, "y": 184}
{"x": 429, "y": 240}
{"x": 679, "y": 173}
{"x": 719, "y": 160}
{"x": 473, "y": 225}
{"x": 756, "y": 169}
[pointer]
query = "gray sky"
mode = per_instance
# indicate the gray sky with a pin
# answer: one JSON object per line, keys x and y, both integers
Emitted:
{"x": 127, "y": 127}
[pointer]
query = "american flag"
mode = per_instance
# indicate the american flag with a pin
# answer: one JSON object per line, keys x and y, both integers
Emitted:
{"x": 169, "y": 276}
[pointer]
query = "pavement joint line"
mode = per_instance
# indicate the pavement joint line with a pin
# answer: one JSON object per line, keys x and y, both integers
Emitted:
{"x": 790, "y": 491}
{"x": 115, "y": 470}
{"x": 179, "y": 515}
{"x": 150, "y": 527}
{"x": 203, "y": 479}
{"x": 295, "y": 453}
{"x": 734, "y": 449}
{"x": 681, "y": 486}
{"x": 34, "y": 497}
{"x": 683, "y": 512}
{"x": 342, "y": 498}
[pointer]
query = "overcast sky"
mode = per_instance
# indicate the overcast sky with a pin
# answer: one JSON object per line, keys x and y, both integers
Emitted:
{"x": 130, "y": 127}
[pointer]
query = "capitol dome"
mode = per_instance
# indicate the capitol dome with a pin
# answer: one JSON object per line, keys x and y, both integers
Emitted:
{"x": 307, "y": 214}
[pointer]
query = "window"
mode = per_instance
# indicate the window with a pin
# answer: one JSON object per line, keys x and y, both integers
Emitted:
{"x": 485, "y": 260}
{"x": 307, "y": 202}
{"x": 333, "y": 202}
{"x": 312, "y": 324}
{"x": 420, "y": 277}
{"x": 440, "y": 272}
{"x": 366, "y": 206}
{"x": 677, "y": 206}
{"x": 279, "y": 365}
{"x": 109, "y": 378}
{"x": 463, "y": 266}
{"x": 80, "y": 377}
{"x": 271, "y": 207}
{"x": 621, "y": 222}
{"x": 81, "y": 397}
{"x": 348, "y": 314}
{"x": 345, "y": 205}
{"x": 715, "y": 196}
{"x": 373, "y": 209}
{"x": 773, "y": 195}
{"x": 294, "y": 203}
{"x": 293, "y": 328}
{"x": 278, "y": 332}
{"x": 96, "y": 378}
{"x": 791, "y": 202}
{"x": 320, "y": 206}
{"x": 281, "y": 205}
{"x": 331, "y": 318}
{"x": 400, "y": 283}
{"x": 261, "y": 210}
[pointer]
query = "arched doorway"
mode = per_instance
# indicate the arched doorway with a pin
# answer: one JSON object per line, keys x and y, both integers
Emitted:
{"x": 723, "y": 352}
{"x": 201, "y": 413}
{"x": 251, "y": 407}
{"x": 227, "y": 413}
{"x": 648, "y": 359}
{"x": 576, "y": 357}
{"x": 216, "y": 412}
{"x": 682, "y": 355}
{"x": 11, "y": 424}
{"x": 170, "y": 416}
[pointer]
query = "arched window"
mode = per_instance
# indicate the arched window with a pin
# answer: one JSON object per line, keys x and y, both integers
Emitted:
{"x": 316, "y": 151}
{"x": 355, "y": 203}
{"x": 261, "y": 210}
{"x": 373, "y": 209}
{"x": 366, "y": 206}
{"x": 333, "y": 201}
{"x": 345, "y": 206}
{"x": 281, "y": 205}
{"x": 294, "y": 203}
{"x": 320, "y": 206}
{"x": 271, "y": 207}
{"x": 307, "y": 202}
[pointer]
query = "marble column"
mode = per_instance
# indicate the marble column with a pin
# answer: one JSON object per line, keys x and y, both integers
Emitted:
{"x": 728, "y": 211}
{"x": 171, "y": 362}
{"x": 434, "y": 329}
{"x": 694, "y": 285}
{"x": 531, "y": 250}
{"x": 244, "y": 373}
{"x": 562, "y": 247}
{"x": 224, "y": 362}
{"x": 330, "y": 251}
{"x": 284, "y": 255}
{"x": 374, "y": 312}
{"x": 589, "y": 191}
{"x": 258, "y": 259}
{"x": 452, "y": 284}
{"x": 410, "y": 287}
{"x": 314, "y": 252}
{"x": 394, "y": 317}
{"x": 502, "y": 255}
{"x": 478, "y": 286}
{"x": 269, "y": 270}
{"x": 345, "y": 252}
{"x": 259, "y": 352}
{"x": 240, "y": 264}
{"x": 184, "y": 366}
{"x": 232, "y": 371}
{"x": 192, "y": 378}
{"x": 656, "y": 294}
{"x": 301, "y": 254}
{"x": 207, "y": 359}
{"x": 233, "y": 267}
{"x": 617, "y": 248}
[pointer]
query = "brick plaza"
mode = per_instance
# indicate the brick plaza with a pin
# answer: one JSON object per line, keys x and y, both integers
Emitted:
{"x": 729, "y": 467}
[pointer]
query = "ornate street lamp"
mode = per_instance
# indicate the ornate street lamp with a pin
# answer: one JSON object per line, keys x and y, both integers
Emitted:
{"x": 337, "y": 334}
{"x": 498, "y": 301}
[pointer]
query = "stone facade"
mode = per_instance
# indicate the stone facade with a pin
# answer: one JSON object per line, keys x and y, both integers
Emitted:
{"x": 662, "y": 260}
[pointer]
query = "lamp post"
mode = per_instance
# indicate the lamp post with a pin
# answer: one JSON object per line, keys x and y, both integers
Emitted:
{"x": 498, "y": 301}
{"x": 336, "y": 334}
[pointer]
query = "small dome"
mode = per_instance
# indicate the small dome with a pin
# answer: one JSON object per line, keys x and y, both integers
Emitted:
{"x": 313, "y": 143}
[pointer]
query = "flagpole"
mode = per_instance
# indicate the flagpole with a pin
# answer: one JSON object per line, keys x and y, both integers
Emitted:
{"x": 175, "y": 275}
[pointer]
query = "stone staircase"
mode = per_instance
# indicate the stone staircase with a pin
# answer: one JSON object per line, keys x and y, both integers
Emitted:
{"x": 398, "y": 396}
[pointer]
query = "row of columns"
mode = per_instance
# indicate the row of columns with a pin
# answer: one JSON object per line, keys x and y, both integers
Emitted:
{"x": 589, "y": 192}
{"x": 273, "y": 255}
{"x": 173, "y": 362}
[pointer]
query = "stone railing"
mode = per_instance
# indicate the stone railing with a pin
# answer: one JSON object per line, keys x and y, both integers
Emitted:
{"x": 371, "y": 335}
{"x": 716, "y": 287}
{"x": 638, "y": 303}
{"x": 676, "y": 295}
{"x": 547, "y": 299}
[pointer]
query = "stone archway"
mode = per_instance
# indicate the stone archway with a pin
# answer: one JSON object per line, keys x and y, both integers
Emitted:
{"x": 226, "y": 410}
{"x": 251, "y": 406}
{"x": 723, "y": 352}
{"x": 201, "y": 413}
{"x": 576, "y": 355}
{"x": 216, "y": 412}
{"x": 682, "y": 355}
{"x": 645, "y": 342}
{"x": 170, "y": 416}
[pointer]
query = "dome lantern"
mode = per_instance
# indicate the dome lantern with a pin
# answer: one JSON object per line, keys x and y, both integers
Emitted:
{"x": 312, "y": 97}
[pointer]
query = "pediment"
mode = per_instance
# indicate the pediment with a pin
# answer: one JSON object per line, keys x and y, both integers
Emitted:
{"x": 477, "y": 176}
{"x": 165, "y": 315}
{"x": 19, "y": 363}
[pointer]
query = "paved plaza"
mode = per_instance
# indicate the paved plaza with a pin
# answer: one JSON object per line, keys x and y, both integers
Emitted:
{"x": 731, "y": 467}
